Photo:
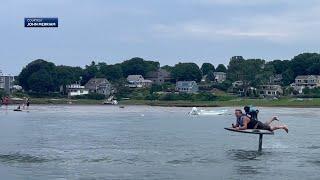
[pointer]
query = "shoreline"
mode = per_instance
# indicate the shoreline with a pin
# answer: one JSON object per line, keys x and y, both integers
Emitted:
{"x": 287, "y": 102}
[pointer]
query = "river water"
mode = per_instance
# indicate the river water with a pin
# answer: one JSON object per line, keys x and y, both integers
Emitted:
{"x": 142, "y": 142}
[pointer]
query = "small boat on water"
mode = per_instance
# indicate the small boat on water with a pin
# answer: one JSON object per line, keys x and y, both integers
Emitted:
{"x": 110, "y": 101}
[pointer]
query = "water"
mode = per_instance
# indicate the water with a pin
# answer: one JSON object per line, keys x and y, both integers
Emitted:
{"x": 141, "y": 142}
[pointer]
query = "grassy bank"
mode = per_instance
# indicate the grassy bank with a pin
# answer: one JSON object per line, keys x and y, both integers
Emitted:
{"x": 284, "y": 102}
{"x": 287, "y": 102}
{"x": 64, "y": 101}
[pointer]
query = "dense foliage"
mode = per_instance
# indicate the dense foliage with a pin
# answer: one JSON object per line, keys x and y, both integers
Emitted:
{"x": 186, "y": 72}
{"x": 45, "y": 77}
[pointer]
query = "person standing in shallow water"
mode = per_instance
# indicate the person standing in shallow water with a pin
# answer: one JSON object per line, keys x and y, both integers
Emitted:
{"x": 244, "y": 122}
{"x": 28, "y": 103}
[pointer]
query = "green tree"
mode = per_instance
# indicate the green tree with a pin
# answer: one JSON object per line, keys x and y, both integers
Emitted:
{"x": 138, "y": 66}
{"x": 186, "y": 72}
{"x": 41, "y": 82}
{"x": 279, "y": 65}
{"x": 301, "y": 63}
{"x": 210, "y": 76}
{"x": 168, "y": 68}
{"x": 221, "y": 68}
{"x": 206, "y": 68}
{"x": 112, "y": 72}
{"x": 33, "y": 67}
{"x": 288, "y": 76}
{"x": 67, "y": 74}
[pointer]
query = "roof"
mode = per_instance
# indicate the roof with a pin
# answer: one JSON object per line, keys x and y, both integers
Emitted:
{"x": 219, "y": 73}
{"x": 186, "y": 83}
{"x": 307, "y": 76}
{"x": 133, "y": 78}
{"x": 94, "y": 82}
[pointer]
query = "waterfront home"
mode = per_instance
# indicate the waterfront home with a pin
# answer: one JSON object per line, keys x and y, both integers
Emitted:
{"x": 187, "y": 86}
{"x": 305, "y": 81}
{"x": 219, "y": 77}
{"x": 6, "y": 82}
{"x": 99, "y": 86}
{"x": 137, "y": 81}
{"x": 310, "y": 81}
{"x": 159, "y": 76}
{"x": 270, "y": 90}
{"x": 76, "y": 90}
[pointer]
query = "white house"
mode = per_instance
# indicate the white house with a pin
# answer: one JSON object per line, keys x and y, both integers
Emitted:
{"x": 76, "y": 90}
{"x": 306, "y": 81}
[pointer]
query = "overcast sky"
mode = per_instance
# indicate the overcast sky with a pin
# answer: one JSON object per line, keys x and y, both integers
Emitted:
{"x": 168, "y": 31}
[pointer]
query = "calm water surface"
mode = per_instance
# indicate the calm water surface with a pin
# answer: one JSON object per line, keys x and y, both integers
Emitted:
{"x": 142, "y": 142}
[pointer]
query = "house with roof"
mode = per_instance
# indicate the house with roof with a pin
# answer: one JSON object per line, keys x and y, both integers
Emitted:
{"x": 137, "y": 81}
{"x": 306, "y": 81}
{"x": 270, "y": 90}
{"x": 187, "y": 87}
{"x": 159, "y": 76}
{"x": 76, "y": 90}
{"x": 99, "y": 86}
{"x": 310, "y": 81}
{"x": 219, "y": 77}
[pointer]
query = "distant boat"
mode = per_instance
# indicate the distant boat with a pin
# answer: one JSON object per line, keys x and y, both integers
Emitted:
{"x": 110, "y": 101}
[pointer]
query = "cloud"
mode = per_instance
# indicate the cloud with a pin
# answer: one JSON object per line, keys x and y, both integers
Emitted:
{"x": 295, "y": 24}
{"x": 237, "y": 2}
{"x": 215, "y": 32}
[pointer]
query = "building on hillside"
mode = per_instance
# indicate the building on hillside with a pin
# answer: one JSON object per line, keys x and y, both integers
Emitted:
{"x": 159, "y": 76}
{"x": 137, "y": 81}
{"x": 220, "y": 76}
{"x": 99, "y": 86}
{"x": 270, "y": 90}
{"x": 6, "y": 82}
{"x": 187, "y": 86}
{"x": 76, "y": 90}
{"x": 275, "y": 79}
{"x": 310, "y": 81}
{"x": 237, "y": 84}
{"x": 305, "y": 81}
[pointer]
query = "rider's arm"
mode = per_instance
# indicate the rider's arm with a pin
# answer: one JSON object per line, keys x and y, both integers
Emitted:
{"x": 234, "y": 126}
{"x": 246, "y": 120}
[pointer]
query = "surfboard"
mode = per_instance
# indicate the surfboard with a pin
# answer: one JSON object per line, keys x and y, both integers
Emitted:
{"x": 251, "y": 131}
{"x": 17, "y": 110}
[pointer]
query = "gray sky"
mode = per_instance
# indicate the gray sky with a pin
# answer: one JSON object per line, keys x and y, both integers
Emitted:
{"x": 168, "y": 31}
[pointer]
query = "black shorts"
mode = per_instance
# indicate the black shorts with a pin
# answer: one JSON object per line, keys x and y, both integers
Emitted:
{"x": 263, "y": 126}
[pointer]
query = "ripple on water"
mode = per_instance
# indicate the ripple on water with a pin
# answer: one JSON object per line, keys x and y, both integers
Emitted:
{"x": 21, "y": 158}
{"x": 245, "y": 155}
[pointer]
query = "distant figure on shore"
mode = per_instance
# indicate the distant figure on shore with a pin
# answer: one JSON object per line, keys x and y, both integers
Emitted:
{"x": 245, "y": 122}
{"x": 6, "y": 101}
{"x": 26, "y": 103}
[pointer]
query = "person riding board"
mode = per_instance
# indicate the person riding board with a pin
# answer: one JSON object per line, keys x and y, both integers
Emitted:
{"x": 245, "y": 122}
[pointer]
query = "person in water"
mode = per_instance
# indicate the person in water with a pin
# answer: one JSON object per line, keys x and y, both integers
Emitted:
{"x": 244, "y": 122}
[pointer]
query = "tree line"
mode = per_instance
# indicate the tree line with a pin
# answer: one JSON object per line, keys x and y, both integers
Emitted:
{"x": 43, "y": 76}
